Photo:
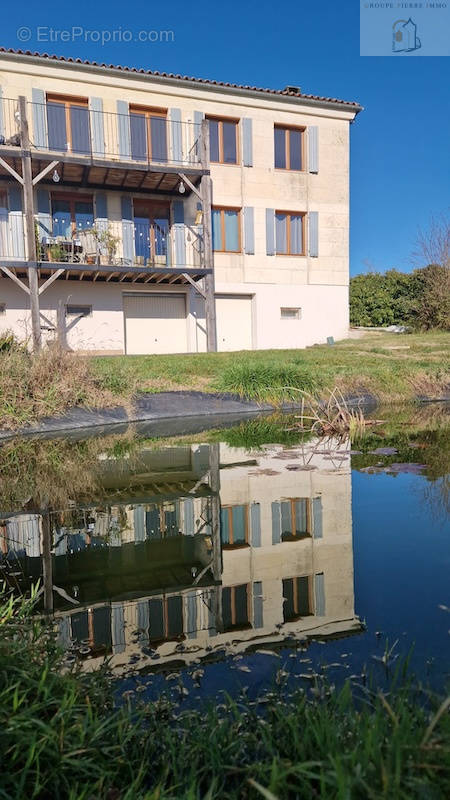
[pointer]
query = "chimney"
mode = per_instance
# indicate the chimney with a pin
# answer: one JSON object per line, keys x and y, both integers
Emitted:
{"x": 293, "y": 89}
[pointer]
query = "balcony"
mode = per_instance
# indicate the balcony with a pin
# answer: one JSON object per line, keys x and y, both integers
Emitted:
{"x": 138, "y": 149}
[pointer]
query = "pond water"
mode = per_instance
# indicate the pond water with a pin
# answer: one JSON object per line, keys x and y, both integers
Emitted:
{"x": 203, "y": 568}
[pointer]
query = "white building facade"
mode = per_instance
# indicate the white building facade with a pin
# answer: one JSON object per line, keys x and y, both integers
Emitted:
{"x": 177, "y": 215}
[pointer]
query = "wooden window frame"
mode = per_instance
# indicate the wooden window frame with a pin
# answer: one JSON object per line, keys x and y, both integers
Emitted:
{"x": 72, "y": 198}
{"x": 167, "y": 637}
{"x": 297, "y": 615}
{"x": 237, "y": 545}
{"x": 148, "y": 112}
{"x": 290, "y": 214}
{"x": 292, "y": 537}
{"x": 68, "y": 101}
{"x": 221, "y": 120}
{"x": 301, "y": 129}
{"x": 234, "y": 625}
{"x": 222, "y": 210}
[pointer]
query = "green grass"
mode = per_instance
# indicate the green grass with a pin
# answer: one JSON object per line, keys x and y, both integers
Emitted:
{"x": 62, "y": 737}
{"x": 355, "y": 365}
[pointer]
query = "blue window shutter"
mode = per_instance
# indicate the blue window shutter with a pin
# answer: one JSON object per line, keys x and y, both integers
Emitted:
{"x": 143, "y": 620}
{"x": 39, "y": 133}
{"x": 118, "y": 628}
{"x": 247, "y": 142}
{"x": 101, "y": 211}
{"x": 198, "y": 119}
{"x": 317, "y": 517}
{"x": 270, "y": 231}
{"x": 313, "y": 148}
{"x": 249, "y": 231}
{"x": 258, "y": 618}
{"x": 319, "y": 591}
{"x": 313, "y": 219}
{"x": 43, "y": 216}
{"x": 2, "y": 118}
{"x": 255, "y": 520}
{"x": 178, "y": 233}
{"x": 16, "y": 222}
{"x": 276, "y": 523}
{"x": 123, "y": 126}
{"x": 97, "y": 127}
{"x": 176, "y": 129}
{"x": 127, "y": 229}
{"x": 139, "y": 524}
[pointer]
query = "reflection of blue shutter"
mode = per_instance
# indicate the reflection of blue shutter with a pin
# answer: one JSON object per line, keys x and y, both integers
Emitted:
{"x": 247, "y": 143}
{"x": 2, "y": 119}
{"x": 319, "y": 589}
{"x": 188, "y": 506}
{"x": 127, "y": 230}
{"x": 118, "y": 628}
{"x": 313, "y": 148}
{"x": 43, "y": 216}
{"x": 276, "y": 523}
{"x": 270, "y": 231}
{"x": 97, "y": 127}
{"x": 317, "y": 517}
{"x": 249, "y": 230}
{"x": 16, "y": 222}
{"x": 139, "y": 524}
{"x": 255, "y": 518}
{"x": 176, "y": 132}
{"x": 192, "y": 625}
{"x": 178, "y": 233}
{"x": 313, "y": 218}
{"x": 123, "y": 126}
{"x": 39, "y": 133}
{"x": 258, "y": 619}
{"x": 143, "y": 621}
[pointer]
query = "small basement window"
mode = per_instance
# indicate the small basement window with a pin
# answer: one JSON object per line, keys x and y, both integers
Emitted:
{"x": 2, "y": 308}
{"x": 78, "y": 311}
{"x": 291, "y": 313}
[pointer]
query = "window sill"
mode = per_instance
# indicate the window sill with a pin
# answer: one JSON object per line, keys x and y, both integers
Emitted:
{"x": 286, "y": 169}
{"x": 291, "y": 255}
{"x": 236, "y": 546}
{"x": 229, "y": 252}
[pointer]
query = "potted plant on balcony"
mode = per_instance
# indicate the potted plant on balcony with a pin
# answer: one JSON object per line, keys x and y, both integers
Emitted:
{"x": 107, "y": 244}
{"x": 57, "y": 253}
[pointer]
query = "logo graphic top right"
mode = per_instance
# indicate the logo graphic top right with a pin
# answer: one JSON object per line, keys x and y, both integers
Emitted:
{"x": 404, "y": 36}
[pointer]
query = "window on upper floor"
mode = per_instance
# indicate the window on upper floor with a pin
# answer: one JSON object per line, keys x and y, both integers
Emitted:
{"x": 234, "y": 525}
{"x": 289, "y": 233}
{"x": 295, "y": 518}
{"x": 297, "y": 598}
{"x": 71, "y": 213}
{"x": 223, "y": 140}
{"x": 288, "y": 146}
{"x": 148, "y": 132}
{"x": 68, "y": 124}
{"x": 226, "y": 229}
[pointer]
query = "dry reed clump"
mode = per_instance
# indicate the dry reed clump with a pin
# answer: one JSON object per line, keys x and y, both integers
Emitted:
{"x": 333, "y": 415}
{"x": 46, "y": 384}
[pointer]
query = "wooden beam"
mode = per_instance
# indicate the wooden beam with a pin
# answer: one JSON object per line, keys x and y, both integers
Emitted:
{"x": 162, "y": 277}
{"x": 50, "y": 280}
{"x": 29, "y": 224}
{"x": 15, "y": 279}
{"x": 44, "y": 172}
{"x": 173, "y": 278}
{"x": 190, "y": 184}
{"x": 194, "y": 284}
{"x": 11, "y": 171}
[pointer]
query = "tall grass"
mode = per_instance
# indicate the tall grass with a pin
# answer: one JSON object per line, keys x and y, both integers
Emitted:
{"x": 270, "y": 381}
{"x": 62, "y": 737}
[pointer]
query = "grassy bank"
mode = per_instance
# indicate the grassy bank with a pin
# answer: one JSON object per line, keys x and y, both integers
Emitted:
{"x": 62, "y": 737}
{"x": 392, "y": 367}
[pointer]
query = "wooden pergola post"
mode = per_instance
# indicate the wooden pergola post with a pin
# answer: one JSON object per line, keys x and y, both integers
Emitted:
{"x": 206, "y": 192}
{"x": 30, "y": 236}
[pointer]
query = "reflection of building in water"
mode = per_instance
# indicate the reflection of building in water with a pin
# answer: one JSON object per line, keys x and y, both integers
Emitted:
{"x": 191, "y": 555}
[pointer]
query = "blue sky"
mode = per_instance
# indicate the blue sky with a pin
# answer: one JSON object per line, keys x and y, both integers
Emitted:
{"x": 400, "y": 154}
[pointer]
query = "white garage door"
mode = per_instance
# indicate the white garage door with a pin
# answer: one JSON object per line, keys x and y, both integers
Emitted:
{"x": 155, "y": 323}
{"x": 234, "y": 322}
